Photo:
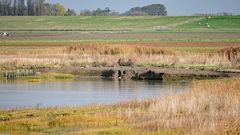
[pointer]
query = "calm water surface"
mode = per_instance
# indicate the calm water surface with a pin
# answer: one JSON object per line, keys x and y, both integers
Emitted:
{"x": 82, "y": 92}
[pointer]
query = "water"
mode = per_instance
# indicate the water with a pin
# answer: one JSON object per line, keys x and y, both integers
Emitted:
{"x": 82, "y": 92}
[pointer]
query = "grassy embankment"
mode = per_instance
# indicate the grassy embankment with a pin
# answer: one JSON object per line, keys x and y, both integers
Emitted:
{"x": 135, "y": 24}
{"x": 132, "y": 24}
{"x": 210, "y": 107}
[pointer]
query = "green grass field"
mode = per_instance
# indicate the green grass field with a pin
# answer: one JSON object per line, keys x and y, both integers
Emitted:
{"x": 219, "y": 23}
{"x": 88, "y": 23}
{"x": 132, "y": 24}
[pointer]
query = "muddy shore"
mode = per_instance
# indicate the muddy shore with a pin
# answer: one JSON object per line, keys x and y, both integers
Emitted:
{"x": 124, "y": 72}
{"x": 140, "y": 73}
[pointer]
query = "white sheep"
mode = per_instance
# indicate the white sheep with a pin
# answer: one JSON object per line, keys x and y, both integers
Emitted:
{"x": 5, "y": 34}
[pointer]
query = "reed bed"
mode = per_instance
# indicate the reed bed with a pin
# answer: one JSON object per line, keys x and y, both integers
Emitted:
{"x": 210, "y": 107}
{"x": 109, "y": 55}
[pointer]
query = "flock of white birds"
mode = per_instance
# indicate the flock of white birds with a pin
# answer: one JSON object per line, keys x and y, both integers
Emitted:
{"x": 207, "y": 24}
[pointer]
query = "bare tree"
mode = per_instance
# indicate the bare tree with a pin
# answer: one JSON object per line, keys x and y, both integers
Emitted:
{"x": 15, "y": 9}
{"x": 5, "y": 7}
{"x": 70, "y": 12}
{"x": 39, "y": 7}
{"x": 21, "y": 7}
{"x": 30, "y": 7}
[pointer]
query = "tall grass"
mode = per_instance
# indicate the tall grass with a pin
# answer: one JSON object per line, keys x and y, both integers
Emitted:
{"x": 109, "y": 55}
{"x": 116, "y": 49}
{"x": 211, "y": 107}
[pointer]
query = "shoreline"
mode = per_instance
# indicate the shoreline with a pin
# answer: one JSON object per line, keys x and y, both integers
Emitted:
{"x": 134, "y": 73}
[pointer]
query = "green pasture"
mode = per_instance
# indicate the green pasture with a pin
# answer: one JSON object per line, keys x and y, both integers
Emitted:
{"x": 122, "y": 23}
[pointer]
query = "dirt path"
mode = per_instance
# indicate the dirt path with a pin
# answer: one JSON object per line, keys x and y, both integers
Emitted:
{"x": 174, "y": 25}
{"x": 152, "y": 44}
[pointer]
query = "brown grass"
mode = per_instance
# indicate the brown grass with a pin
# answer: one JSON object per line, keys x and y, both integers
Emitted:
{"x": 232, "y": 54}
{"x": 211, "y": 107}
{"x": 116, "y": 49}
{"x": 110, "y": 54}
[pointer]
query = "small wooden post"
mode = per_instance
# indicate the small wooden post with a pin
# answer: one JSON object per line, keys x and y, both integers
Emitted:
{"x": 10, "y": 75}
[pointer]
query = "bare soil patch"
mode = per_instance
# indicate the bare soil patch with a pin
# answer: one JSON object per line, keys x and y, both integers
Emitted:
{"x": 152, "y": 44}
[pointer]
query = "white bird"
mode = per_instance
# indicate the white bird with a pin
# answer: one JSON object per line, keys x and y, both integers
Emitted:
{"x": 5, "y": 34}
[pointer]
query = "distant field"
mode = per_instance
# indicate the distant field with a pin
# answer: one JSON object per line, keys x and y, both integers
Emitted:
{"x": 189, "y": 31}
{"x": 88, "y": 23}
{"x": 126, "y": 24}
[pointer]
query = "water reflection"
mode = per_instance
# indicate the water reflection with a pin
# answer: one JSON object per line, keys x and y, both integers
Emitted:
{"x": 82, "y": 92}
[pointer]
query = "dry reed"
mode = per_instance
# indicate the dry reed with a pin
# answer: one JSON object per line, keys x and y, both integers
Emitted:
{"x": 211, "y": 107}
{"x": 110, "y": 55}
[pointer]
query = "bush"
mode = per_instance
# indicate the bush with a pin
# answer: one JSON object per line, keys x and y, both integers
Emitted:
{"x": 125, "y": 62}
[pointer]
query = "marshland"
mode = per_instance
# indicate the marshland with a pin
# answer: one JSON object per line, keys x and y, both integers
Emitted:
{"x": 113, "y": 75}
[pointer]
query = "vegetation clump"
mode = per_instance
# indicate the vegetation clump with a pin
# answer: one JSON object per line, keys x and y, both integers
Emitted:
{"x": 47, "y": 77}
{"x": 232, "y": 54}
{"x": 125, "y": 62}
{"x": 153, "y": 10}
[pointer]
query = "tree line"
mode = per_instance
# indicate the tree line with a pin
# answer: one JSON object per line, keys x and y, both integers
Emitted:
{"x": 32, "y": 8}
{"x": 149, "y": 10}
{"x": 152, "y": 10}
{"x": 42, "y": 8}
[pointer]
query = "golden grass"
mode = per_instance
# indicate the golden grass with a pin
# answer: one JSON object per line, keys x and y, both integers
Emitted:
{"x": 210, "y": 107}
{"x": 116, "y": 49}
{"x": 232, "y": 54}
{"x": 109, "y": 55}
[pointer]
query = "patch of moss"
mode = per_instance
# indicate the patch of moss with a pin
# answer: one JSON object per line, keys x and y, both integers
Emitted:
{"x": 177, "y": 77}
{"x": 199, "y": 66}
{"x": 2, "y": 76}
{"x": 47, "y": 76}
